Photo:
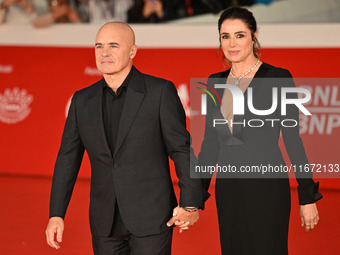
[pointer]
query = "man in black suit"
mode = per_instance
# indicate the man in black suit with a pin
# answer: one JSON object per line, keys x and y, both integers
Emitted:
{"x": 129, "y": 123}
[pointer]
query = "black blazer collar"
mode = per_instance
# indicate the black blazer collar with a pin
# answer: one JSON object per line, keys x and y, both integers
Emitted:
{"x": 134, "y": 97}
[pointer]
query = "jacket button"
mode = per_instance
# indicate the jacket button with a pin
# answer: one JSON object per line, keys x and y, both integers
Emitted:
{"x": 115, "y": 166}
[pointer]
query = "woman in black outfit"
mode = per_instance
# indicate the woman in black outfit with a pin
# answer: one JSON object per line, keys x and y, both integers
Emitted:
{"x": 253, "y": 213}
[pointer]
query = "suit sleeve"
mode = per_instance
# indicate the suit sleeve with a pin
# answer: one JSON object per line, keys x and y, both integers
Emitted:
{"x": 210, "y": 147}
{"x": 307, "y": 188}
{"x": 67, "y": 164}
{"x": 177, "y": 142}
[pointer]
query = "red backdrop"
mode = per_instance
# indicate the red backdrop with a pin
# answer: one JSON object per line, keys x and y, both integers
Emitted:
{"x": 46, "y": 78}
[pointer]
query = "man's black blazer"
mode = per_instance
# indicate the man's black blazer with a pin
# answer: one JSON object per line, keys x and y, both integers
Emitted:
{"x": 137, "y": 177}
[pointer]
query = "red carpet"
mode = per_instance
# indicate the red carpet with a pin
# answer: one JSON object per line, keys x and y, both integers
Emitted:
{"x": 24, "y": 215}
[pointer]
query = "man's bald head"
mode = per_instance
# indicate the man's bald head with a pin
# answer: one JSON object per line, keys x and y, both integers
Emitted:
{"x": 120, "y": 28}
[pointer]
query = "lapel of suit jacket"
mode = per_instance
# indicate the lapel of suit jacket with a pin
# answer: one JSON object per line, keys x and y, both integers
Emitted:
{"x": 134, "y": 97}
{"x": 95, "y": 102}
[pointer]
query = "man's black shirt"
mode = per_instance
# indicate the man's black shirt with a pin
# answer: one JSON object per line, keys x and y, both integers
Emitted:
{"x": 113, "y": 104}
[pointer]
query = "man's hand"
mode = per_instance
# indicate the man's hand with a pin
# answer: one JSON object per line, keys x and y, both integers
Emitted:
{"x": 309, "y": 216}
{"x": 55, "y": 227}
{"x": 183, "y": 219}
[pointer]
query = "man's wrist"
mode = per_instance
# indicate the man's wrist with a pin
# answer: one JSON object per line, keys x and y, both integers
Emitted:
{"x": 190, "y": 209}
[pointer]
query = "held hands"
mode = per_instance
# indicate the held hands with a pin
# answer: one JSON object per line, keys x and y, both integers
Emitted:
{"x": 309, "y": 216}
{"x": 183, "y": 219}
{"x": 55, "y": 228}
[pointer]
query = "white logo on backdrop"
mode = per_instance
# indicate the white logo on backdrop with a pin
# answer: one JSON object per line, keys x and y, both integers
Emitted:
{"x": 325, "y": 109}
{"x": 14, "y": 105}
{"x": 92, "y": 71}
{"x": 6, "y": 69}
{"x": 183, "y": 94}
{"x": 67, "y": 108}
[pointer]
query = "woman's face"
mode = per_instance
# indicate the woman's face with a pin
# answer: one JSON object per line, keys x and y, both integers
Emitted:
{"x": 236, "y": 40}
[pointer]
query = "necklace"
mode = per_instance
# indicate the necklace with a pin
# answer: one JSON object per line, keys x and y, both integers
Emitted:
{"x": 237, "y": 80}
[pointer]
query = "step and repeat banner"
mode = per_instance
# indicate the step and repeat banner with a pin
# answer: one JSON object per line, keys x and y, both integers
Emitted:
{"x": 38, "y": 81}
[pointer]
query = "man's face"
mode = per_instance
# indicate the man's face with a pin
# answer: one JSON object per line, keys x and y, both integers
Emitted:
{"x": 114, "y": 49}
